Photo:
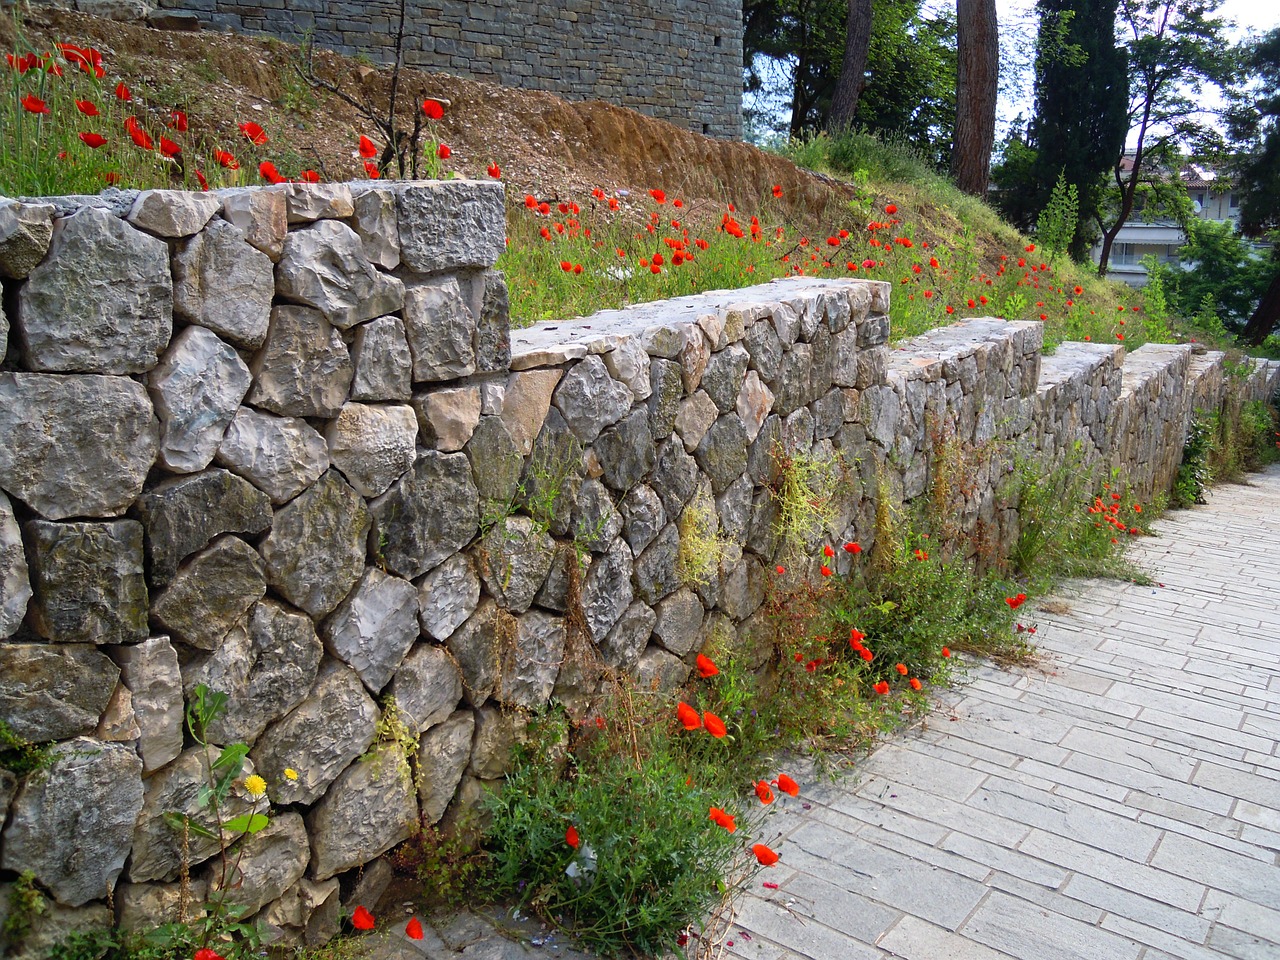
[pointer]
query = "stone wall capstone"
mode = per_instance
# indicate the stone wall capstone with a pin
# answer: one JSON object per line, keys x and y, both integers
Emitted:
{"x": 351, "y": 488}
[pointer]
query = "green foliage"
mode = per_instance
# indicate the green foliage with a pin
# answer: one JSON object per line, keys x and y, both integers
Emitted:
{"x": 1194, "y": 475}
{"x": 703, "y": 550}
{"x": 1056, "y": 225}
{"x": 452, "y": 870}
{"x": 1218, "y": 267}
{"x": 1155, "y": 314}
{"x": 26, "y": 905}
{"x": 806, "y": 492}
{"x": 19, "y": 755}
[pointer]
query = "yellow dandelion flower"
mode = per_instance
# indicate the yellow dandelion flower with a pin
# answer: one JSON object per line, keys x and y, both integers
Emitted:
{"x": 255, "y": 786}
{"x": 290, "y": 773}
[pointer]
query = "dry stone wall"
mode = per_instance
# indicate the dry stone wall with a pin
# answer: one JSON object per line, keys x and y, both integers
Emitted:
{"x": 282, "y": 442}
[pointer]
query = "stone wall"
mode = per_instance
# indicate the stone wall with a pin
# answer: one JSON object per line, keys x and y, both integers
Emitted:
{"x": 281, "y": 441}
{"x": 678, "y": 61}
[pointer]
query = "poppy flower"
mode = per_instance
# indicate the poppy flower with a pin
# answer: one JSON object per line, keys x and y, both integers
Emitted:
{"x": 715, "y": 726}
{"x": 33, "y": 104}
{"x": 788, "y": 786}
{"x": 901, "y": 668}
{"x": 226, "y": 160}
{"x": 659, "y": 196}
{"x": 764, "y": 793}
{"x": 856, "y": 636}
{"x": 571, "y": 837}
{"x": 780, "y": 569}
{"x": 204, "y": 184}
{"x": 93, "y": 140}
{"x": 413, "y": 929}
{"x": 722, "y": 819}
{"x": 122, "y": 92}
{"x": 178, "y": 121}
{"x": 204, "y": 953}
{"x": 110, "y": 178}
{"x": 494, "y": 171}
{"x": 368, "y": 149}
{"x": 87, "y": 107}
{"x": 946, "y": 651}
{"x": 309, "y": 176}
{"x": 921, "y": 555}
{"x": 433, "y": 109}
{"x": 168, "y": 148}
{"x": 530, "y": 201}
{"x": 777, "y": 190}
{"x": 826, "y": 571}
{"x": 853, "y": 548}
{"x": 763, "y": 854}
{"x": 827, "y": 551}
{"x": 566, "y": 266}
{"x": 915, "y": 683}
{"x": 1014, "y": 602}
{"x": 253, "y": 133}
{"x": 866, "y": 654}
{"x": 371, "y": 170}
{"x": 706, "y": 667}
{"x": 141, "y": 138}
{"x": 688, "y": 716}
{"x": 362, "y": 919}
{"x": 882, "y": 687}
{"x": 443, "y": 151}
{"x": 267, "y": 170}
{"x": 891, "y": 209}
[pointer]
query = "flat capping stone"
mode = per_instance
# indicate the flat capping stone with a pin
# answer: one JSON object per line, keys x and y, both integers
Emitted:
{"x": 1154, "y": 360}
{"x": 552, "y": 342}
{"x": 1073, "y": 358}
{"x": 923, "y": 357}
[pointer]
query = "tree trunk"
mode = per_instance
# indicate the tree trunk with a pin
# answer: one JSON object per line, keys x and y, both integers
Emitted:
{"x": 1267, "y": 316}
{"x": 977, "y": 83}
{"x": 853, "y": 68}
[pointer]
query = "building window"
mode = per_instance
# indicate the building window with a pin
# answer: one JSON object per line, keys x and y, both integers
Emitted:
{"x": 1234, "y": 200}
{"x": 1200, "y": 199}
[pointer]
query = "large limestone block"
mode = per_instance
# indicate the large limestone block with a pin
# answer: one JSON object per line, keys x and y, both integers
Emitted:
{"x": 157, "y": 852}
{"x": 607, "y": 590}
{"x": 15, "y": 583}
{"x": 427, "y": 687}
{"x": 372, "y": 444}
{"x": 660, "y": 671}
{"x": 222, "y": 283}
{"x": 25, "y": 232}
{"x": 447, "y": 596}
{"x": 324, "y": 266}
{"x": 266, "y": 666}
{"x": 370, "y": 808}
{"x": 478, "y": 647}
{"x": 629, "y": 363}
{"x": 304, "y": 369}
{"x": 72, "y": 822}
{"x": 679, "y": 620}
{"x": 172, "y": 213}
{"x": 495, "y": 461}
{"x": 443, "y": 756}
{"x": 447, "y": 418}
{"x": 141, "y": 907}
{"x": 626, "y": 451}
{"x": 211, "y": 592}
{"x": 493, "y": 322}
{"x": 75, "y": 446}
{"x": 150, "y": 671}
{"x": 428, "y": 514}
{"x": 51, "y": 929}
{"x": 516, "y": 559}
{"x": 315, "y": 552}
{"x": 451, "y": 224}
{"x": 319, "y": 737}
{"x": 307, "y": 914}
{"x": 384, "y": 365}
{"x": 533, "y": 662}
{"x": 197, "y": 388}
{"x": 441, "y": 330}
{"x": 87, "y": 581}
{"x": 527, "y": 400}
{"x": 281, "y": 456}
{"x": 263, "y": 865}
{"x": 318, "y": 201}
{"x": 497, "y": 733}
{"x": 722, "y": 454}
{"x": 260, "y": 214}
{"x": 184, "y": 514}
{"x": 50, "y": 692}
{"x": 622, "y": 648}
{"x": 374, "y": 627}
{"x": 590, "y": 399}
{"x": 378, "y": 226}
{"x": 100, "y": 302}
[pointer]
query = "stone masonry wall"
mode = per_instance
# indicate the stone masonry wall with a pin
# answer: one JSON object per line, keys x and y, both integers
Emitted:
{"x": 280, "y": 441}
{"x": 679, "y": 61}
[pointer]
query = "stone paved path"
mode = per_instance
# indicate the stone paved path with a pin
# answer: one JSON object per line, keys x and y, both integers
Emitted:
{"x": 1119, "y": 801}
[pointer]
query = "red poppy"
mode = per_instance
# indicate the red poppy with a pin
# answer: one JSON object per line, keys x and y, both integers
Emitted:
{"x": 371, "y": 169}
{"x": 659, "y": 196}
{"x": 826, "y": 571}
{"x": 866, "y": 654}
{"x": 93, "y": 140}
{"x": 566, "y": 266}
{"x": 777, "y": 189}
{"x": 362, "y": 919}
{"x": 226, "y": 160}
{"x": 309, "y": 176}
{"x": 178, "y": 121}
{"x": 87, "y": 107}
{"x": 168, "y": 148}
{"x": 780, "y": 569}
{"x": 688, "y": 716}
{"x": 706, "y": 667}
{"x": 891, "y": 209}
{"x": 766, "y": 856}
{"x": 915, "y": 683}
{"x": 204, "y": 184}
{"x": 122, "y": 92}
{"x": 764, "y": 793}
{"x": 722, "y": 819}
{"x": 882, "y": 687}
{"x": 715, "y": 726}
{"x": 571, "y": 837}
{"x": 787, "y": 785}
{"x": 1015, "y": 602}
{"x": 204, "y": 953}
{"x": 367, "y": 147}
{"x": 828, "y": 551}
{"x": 530, "y": 201}
{"x": 494, "y": 171}
{"x": 921, "y": 555}
{"x": 853, "y": 548}
{"x": 267, "y": 170}
{"x": 856, "y": 636}
{"x": 33, "y": 104}
{"x": 253, "y": 133}
{"x": 946, "y": 651}
{"x": 433, "y": 109}
{"x": 413, "y": 929}
{"x": 901, "y": 668}
{"x": 141, "y": 138}
{"x": 443, "y": 151}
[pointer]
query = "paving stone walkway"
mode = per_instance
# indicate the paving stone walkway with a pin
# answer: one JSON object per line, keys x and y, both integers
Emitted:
{"x": 1120, "y": 800}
